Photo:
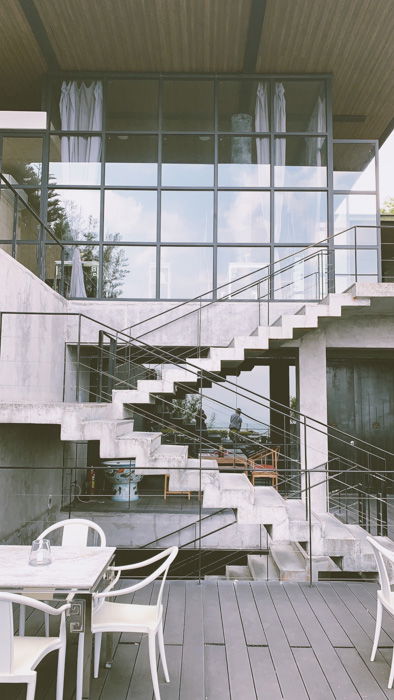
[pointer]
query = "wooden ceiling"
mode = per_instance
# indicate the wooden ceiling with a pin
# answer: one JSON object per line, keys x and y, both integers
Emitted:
{"x": 352, "y": 39}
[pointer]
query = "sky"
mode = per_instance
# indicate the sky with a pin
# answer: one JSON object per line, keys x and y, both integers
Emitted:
{"x": 386, "y": 169}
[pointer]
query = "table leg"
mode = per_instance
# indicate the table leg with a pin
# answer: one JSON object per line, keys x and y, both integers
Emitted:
{"x": 109, "y": 649}
{"x": 87, "y": 650}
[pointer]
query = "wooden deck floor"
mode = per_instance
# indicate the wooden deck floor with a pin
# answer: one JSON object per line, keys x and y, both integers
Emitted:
{"x": 230, "y": 640}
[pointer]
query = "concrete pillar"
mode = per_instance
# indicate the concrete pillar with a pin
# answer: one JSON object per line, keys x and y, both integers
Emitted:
{"x": 312, "y": 391}
{"x": 279, "y": 392}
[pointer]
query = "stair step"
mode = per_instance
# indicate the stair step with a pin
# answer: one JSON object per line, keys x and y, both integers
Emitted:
{"x": 238, "y": 573}
{"x": 262, "y": 567}
{"x": 290, "y": 562}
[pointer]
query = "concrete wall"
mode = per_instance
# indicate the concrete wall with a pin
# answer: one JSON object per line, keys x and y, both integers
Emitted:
{"x": 30, "y": 495}
{"x": 219, "y": 321}
{"x": 137, "y": 528}
{"x": 32, "y": 347}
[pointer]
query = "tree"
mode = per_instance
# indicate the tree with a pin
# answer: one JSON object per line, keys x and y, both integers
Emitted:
{"x": 388, "y": 206}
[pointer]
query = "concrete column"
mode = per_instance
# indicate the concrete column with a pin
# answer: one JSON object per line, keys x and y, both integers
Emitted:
{"x": 279, "y": 392}
{"x": 312, "y": 391}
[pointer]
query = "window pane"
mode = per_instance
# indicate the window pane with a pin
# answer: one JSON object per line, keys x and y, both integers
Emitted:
{"x": 243, "y": 105}
{"x": 243, "y": 267}
{"x": 367, "y": 262}
{"x": 186, "y": 216}
{"x": 185, "y": 272}
{"x": 244, "y": 217}
{"x": 27, "y": 226}
{"x": 75, "y": 160}
{"x": 53, "y": 267}
{"x": 300, "y": 217}
{"x": 131, "y": 160}
{"x": 74, "y": 214}
{"x": 244, "y": 161}
{"x": 300, "y": 162}
{"x": 300, "y": 105}
{"x": 354, "y": 166}
{"x": 345, "y": 261}
{"x": 21, "y": 161}
{"x": 187, "y": 160}
{"x": 188, "y": 105}
{"x": 131, "y": 105}
{"x": 77, "y": 105}
{"x": 304, "y": 273}
{"x": 28, "y": 256}
{"x": 90, "y": 267}
{"x": 129, "y": 272}
{"x": 130, "y": 215}
{"x": 355, "y": 210}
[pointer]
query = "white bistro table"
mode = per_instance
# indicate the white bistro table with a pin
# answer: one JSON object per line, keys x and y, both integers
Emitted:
{"x": 73, "y": 569}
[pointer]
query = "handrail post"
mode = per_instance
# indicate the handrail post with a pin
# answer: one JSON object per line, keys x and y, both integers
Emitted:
{"x": 310, "y": 528}
{"x": 77, "y": 383}
{"x": 305, "y": 466}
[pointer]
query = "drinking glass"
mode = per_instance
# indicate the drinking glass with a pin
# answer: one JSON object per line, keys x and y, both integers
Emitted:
{"x": 40, "y": 553}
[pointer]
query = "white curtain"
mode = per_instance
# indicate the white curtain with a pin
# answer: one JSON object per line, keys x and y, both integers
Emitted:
{"x": 77, "y": 284}
{"x": 261, "y": 123}
{"x": 317, "y": 124}
{"x": 81, "y": 108}
{"x": 283, "y": 222}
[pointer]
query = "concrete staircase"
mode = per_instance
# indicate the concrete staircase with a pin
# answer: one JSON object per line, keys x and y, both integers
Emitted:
{"x": 112, "y": 425}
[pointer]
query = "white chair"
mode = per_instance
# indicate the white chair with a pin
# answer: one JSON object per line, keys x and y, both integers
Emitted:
{"x": 75, "y": 533}
{"x": 129, "y": 617}
{"x": 19, "y": 656}
{"x": 385, "y": 596}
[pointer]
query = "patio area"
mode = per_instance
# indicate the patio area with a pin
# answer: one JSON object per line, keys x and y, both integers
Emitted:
{"x": 228, "y": 640}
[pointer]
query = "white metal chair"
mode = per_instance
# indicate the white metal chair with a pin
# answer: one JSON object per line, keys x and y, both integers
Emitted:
{"x": 385, "y": 596}
{"x": 19, "y": 656}
{"x": 129, "y": 617}
{"x": 75, "y": 533}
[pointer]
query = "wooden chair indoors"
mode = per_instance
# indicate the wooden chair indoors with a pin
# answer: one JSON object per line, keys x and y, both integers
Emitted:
{"x": 264, "y": 465}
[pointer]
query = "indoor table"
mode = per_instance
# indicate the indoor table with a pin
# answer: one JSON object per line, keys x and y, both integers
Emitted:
{"x": 78, "y": 570}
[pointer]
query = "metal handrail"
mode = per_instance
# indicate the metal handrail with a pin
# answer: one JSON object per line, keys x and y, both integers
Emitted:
{"x": 201, "y": 297}
{"x": 279, "y": 407}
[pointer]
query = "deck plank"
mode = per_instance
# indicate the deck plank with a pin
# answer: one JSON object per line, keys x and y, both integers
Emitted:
{"x": 289, "y": 620}
{"x": 368, "y": 687}
{"x": 253, "y": 630}
{"x": 286, "y": 669}
{"x": 192, "y": 672}
{"x": 243, "y": 640}
{"x": 213, "y": 626}
{"x": 330, "y": 663}
{"x": 216, "y": 679}
{"x": 366, "y": 594}
{"x": 359, "y": 611}
{"x": 312, "y": 675}
{"x": 175, "y": 614}
{"x": 326, "y": 617}
{"x": 170, "y": 691}
{"x": 359, "y": 638}
{"x": 239, "y": 671}
{"x": 264, "y": 675}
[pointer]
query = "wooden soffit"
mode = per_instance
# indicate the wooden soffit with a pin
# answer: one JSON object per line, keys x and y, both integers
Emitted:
{"x": 352, "y": 39}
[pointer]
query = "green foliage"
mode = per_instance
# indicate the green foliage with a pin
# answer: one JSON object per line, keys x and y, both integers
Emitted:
{"x": 388, "y": 206}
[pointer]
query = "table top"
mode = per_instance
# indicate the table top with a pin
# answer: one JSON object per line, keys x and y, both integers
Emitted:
{"x": 78, "y": 568}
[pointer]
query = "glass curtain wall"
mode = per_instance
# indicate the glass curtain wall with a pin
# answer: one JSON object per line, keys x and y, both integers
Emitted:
{"x": 21, "y": 164}
{"x": 356, "y": 251}
{"x": 171, "y": 186}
